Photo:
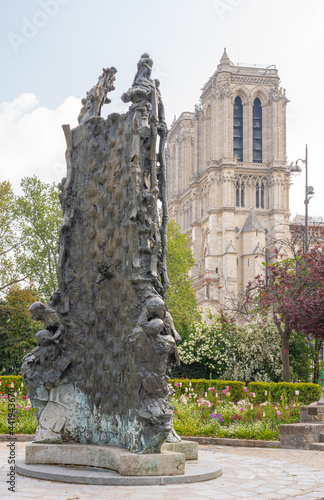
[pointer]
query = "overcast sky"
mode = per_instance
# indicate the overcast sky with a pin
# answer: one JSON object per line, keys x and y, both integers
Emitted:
{"x": 52, "y": 52}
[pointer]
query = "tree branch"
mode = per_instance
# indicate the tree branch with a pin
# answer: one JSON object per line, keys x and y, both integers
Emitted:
{"x": 12, "y": 283}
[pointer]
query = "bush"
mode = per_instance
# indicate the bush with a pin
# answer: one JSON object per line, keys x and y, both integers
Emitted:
{"x": 256, "y": 354}
{"x": 218, "y": 348}
{"x": 192, "y": 371}
{"x": 200, "y": 386}
{"x": 306, "y": 393}
{"x": 209, "y": 345}
{"x": 300, "y": 358}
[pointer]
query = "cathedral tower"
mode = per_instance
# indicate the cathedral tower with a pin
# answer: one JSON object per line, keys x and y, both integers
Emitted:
{"x": 228, "y": 180}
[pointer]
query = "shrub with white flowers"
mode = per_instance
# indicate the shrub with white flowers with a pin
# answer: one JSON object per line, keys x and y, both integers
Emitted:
{"x": 209, "y": 344}
{"x": 252, "y": 352}
{"x": 256, "y": 355}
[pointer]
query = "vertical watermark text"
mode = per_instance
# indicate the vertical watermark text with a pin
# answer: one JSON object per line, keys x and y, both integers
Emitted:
{"x": 12, "y": 412}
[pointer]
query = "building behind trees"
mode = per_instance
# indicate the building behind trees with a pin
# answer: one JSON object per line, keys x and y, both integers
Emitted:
{"x": 228, "y": 179}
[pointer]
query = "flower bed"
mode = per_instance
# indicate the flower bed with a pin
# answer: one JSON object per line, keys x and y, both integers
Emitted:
{"x": 203, "y": 407}
{"x": 214, "y": 413}
{"x": 12, "y": 381}
{"x": 16, "y": 412}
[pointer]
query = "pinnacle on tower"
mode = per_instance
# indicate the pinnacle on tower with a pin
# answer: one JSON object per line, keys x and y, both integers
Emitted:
{"x": 225, "y": 59}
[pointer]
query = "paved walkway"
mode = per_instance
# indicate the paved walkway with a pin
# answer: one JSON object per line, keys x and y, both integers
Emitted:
{"x": 243, "y": 477}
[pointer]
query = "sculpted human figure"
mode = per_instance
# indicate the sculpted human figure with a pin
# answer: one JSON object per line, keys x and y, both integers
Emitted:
{"x": 161, "y": 110}
{"x": 97, "y": 95}
{"x": 144, "y": 69}
{"x": 37, "y": 310}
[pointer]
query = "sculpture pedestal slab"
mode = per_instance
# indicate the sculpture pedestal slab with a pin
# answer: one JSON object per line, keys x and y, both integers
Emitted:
{"x": 106, "y": 457}
{"x": 189, "y": 448}
{"x": 312, "y": 414}
{"x": 301, "y": 435}
{"x": 87, "y": 464}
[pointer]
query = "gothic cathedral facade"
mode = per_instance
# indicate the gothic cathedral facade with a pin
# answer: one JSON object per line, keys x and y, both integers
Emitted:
{"x": 228, "y": 178}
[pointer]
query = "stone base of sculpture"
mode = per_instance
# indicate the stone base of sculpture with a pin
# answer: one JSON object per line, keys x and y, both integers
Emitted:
{"x": 176, "y": 464}
{"x": 308, "y": 434}
{"x": 188, "y": 448}
{"x": 107, "y": 457}
{"x": 171, "y": 459}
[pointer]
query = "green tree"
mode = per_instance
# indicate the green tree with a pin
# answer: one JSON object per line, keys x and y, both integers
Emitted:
{"x": 17, "y": 328}
{"x": 29, "y": 228}
{"x": 10, "y": 238}
{"x": 181, "y": 296}
{"x": 301, "y": 353}
{"x": 40, "y": 219}
{"x": 292, "y": 294}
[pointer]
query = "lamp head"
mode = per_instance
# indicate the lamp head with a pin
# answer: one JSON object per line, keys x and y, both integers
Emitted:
{"x": 295, "y": 169}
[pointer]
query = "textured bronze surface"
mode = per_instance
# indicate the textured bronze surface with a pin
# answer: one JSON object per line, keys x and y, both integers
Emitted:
{"x": 100, "y": 373}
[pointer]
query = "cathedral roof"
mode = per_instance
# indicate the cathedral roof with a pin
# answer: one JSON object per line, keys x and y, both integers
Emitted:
{"x": 252, "y": 223}
{"x": 257, "y": 249}
{"x": 230, "y": 248}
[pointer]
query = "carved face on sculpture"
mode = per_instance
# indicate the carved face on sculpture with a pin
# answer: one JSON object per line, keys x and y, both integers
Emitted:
{"x": 37, "y": 311}
{"x": 44, "y": 338}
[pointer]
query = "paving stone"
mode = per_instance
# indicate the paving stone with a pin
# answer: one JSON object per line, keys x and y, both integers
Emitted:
{"x": 252, "y": 484}
{"x": 313, "y": 496}
{"x": 268, "y": 479}
{"x": 274, "y": 495}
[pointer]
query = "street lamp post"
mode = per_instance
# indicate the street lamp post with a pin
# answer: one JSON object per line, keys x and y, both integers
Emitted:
{"x": 309, "y": 191}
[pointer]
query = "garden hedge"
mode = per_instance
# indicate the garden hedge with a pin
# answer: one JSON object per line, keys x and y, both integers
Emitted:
{"x": 306, "y": 393}
{"x": 16, "y": 380}
{"x": 194, "y": 370}
{"x": 200, "y": 386}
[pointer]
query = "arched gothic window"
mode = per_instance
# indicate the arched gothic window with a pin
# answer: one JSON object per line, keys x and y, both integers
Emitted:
{"x": 237, "y": 193}
{"x": 262, "y": 195}
{"x": 238, "y": 129}
{"x": 257, "y": 195}
{"x": 257, "y": 131}
{"x": 240, "y": 193}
